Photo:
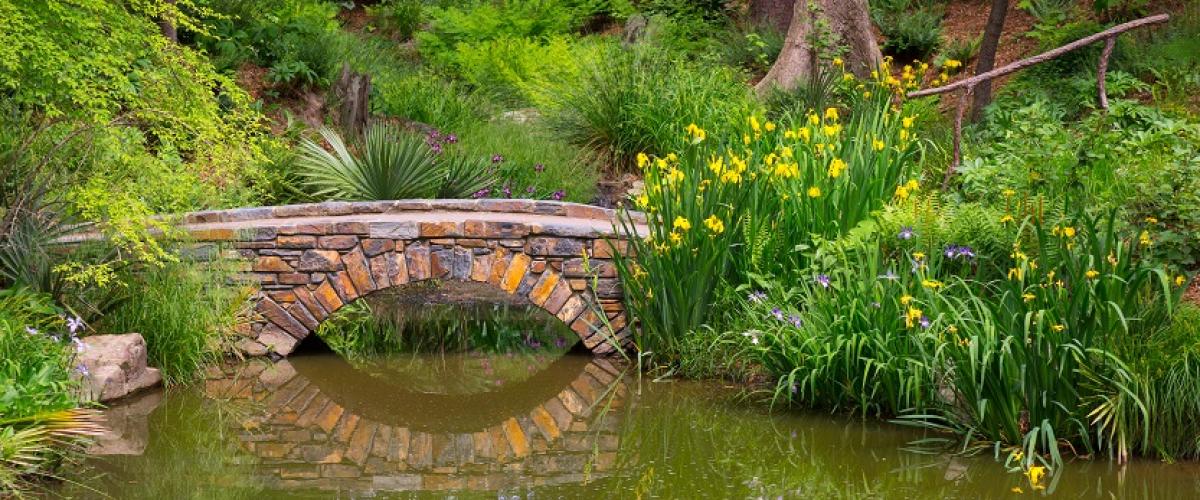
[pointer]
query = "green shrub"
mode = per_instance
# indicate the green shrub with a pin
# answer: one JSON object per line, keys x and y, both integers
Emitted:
{"x": 521, "y": 71}
{"x": 186, "y": 311}
{"x": 429, "y": 99}
{"x": 483, "y": 20}
{"x": 633, "y": 102}
{"x": 293, "y": 39}
{"x": 36, "y": 355}
{"x": 910, "y": 35}
{"x": 751, "y": 47}
{"x": 400, "y": 17}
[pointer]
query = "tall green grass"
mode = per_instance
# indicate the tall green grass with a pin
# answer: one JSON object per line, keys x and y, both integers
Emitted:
{"x": 186, "y": 311}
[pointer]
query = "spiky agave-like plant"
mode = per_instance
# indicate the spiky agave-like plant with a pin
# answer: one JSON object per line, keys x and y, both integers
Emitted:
{"x": 387, "y": 165}
{"x": 28, "y": 444}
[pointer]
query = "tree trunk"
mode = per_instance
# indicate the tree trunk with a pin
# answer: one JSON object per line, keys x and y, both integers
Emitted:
{"x": 848, "y": 23}
{"x": 353, "y": 91}
{"x": 987, "y": 56}
{"x": 776, "y": 13}
{"x": 168, "y": 27}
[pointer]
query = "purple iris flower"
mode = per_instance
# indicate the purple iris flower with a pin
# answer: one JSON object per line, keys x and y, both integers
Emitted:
{"x": 79, "y": 345}
{"x": 529, "y": 190}
{"x": 451, "y": 138}
{"x": 795, "y": 320}
{"x": 82, "y": 369}
{"x": 906, "y": 233}
{"x": 74, "y": 325}
{"x": 924, "y": 321}
{"x": 507, "y": 192}
{"x": 889, "y": 275}
{"x": 757, "y": 296}
{"x": 436, "y": 148}
{"x": 539, "y": 168}
{"x": 558, "y": 195}
{"x": 956, "y": 251}
{"x": 560, "y": 342}
{"x": 497, "y": 158}
{"x": 481, "y": 193}
{"x": 777, "y": 313}
{"x": 823, "y": 280}
{"x": 31, "y": 330}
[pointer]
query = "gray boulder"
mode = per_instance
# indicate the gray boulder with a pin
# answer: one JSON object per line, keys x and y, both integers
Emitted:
{"x": 115, "y": 366}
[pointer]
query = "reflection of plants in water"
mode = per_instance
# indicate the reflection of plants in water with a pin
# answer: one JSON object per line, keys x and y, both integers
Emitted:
{"x": 361, "y": 329}
{"x": 192, "y": 451}
{"x": 464, "y": 373}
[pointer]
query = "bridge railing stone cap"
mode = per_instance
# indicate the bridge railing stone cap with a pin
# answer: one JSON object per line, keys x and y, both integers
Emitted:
{"x": 336, "y": 208}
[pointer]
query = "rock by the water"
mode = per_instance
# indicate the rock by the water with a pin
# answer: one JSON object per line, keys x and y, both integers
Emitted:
{"x": 127, "y": 425}
{"x": 115, "y": 366}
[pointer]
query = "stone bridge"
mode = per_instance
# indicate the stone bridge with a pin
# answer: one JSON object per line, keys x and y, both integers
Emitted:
{"x": 307, "y": 261}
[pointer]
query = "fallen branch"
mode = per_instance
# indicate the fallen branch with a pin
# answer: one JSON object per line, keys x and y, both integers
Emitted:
{"x": 967, "y": 85}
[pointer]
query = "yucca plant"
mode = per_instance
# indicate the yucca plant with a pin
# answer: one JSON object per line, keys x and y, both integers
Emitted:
{"x": 387, "y": 164}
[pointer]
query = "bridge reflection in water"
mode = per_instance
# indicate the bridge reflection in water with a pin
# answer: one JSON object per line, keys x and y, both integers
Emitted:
{"x": 322, "y": 423}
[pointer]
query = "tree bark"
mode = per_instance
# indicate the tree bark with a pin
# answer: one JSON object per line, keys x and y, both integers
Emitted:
{"x": 353, "y": 92}
{"x": 987, "y": 56}
{"x": 168, "y": 27}
{"x": 776, "y": 13}
{"x": 849, "y": 24}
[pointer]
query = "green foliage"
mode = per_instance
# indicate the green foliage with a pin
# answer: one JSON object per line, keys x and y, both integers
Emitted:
{"x": 533, "y": 158}
{"x": 35, "y": 366}
{"x": 911, "y": 33}
{"x": 293, "y": 39}
{"x": 388, "y": 165}
{"x": 483, "y": 20}
{"x": 754, "y": 203}
{"x": 523, "y": 71}
{"x": 751, "y": 47}
{"x": 1134, "y": 157}
{"x": 401, "y": 18}
{"x": 186, "y": 311}
{"x": 959, "y": 50}
{"x": 639, "y": 101}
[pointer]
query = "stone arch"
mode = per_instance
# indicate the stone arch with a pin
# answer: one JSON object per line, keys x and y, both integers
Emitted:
{"x": 308, "y": 273}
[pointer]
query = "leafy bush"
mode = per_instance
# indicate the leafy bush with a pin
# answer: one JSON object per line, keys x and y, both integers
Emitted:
{"x": 400, "y": 17}
{"x": 426, "y": 98}
{"x": 751, "y": 47}
{"x": 293, "y": 39}
{"x": 484, "y": 20}
{"x": 910, "y": 35}
{"x": 35, "y": 356}
{"x": 185, "y": 310}
{"x": 522, "y": 71}
{"x": 632, "y": 102}
{"x": 388, "y": 165}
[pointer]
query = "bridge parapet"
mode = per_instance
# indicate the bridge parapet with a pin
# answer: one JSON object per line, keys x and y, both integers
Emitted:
{"x": 310, "y": 260}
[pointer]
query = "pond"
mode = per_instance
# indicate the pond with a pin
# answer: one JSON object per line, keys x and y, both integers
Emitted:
{"x": 536, "y": 421}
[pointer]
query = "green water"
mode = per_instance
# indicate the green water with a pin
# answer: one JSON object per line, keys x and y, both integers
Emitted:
{"x": 315, "y": 426}
{"x": 519, "y": 417}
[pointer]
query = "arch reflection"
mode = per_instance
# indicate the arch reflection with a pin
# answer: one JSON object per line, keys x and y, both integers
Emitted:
{"x": 323, "y": 424}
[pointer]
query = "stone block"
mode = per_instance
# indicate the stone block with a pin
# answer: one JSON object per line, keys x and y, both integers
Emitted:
{"x": 305, "y": 229}
{"x": 293, "y": 279}
{"x": 397, "y": 268}
{"x": 587, "y": 212}
{"x": 352, "y": 228}
{"x": 271, "y": 264}
{"x": 606, "y": 249}
{"x": 379, "y": 272}
{"x": 574, "y": 268}
{"x": 402, "y": 230}
{"x": 296, "y": 241}
{"x": 116, "y": 366}
{"x": 328, "y": 297}
{"x": 300, "y": 312}
{"x": 329, "y": 417}
{"x": 494, "y": 229}
{"x": 375, "y": 246}
{"x": 418, "y": 262}
{"x": 337, "y": 242}
{"x": 515, "y": 273}
{"x": 517, "y": 440}
{"x": 545, "y": 424}
{"x": 500, "y": 261}
{"x": 571, "y": 309}
{"x": 461, "y": 261}
{"x": 558, "y": 297}
{"x": 545, "y": 246}
{"x": 543, "y": 288}
{"x": 344, "y": 285}
{"x": 281, "y": 318}
{"x": 439, "y": 229}
{"x": 359, "y": 446}
{"x": 319, "y": 261}
{"x": 439, "y": 263}
{"x": 481, "y": 268}
{"x": 276, "y": 340}
{"x": 359, "y": 271}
